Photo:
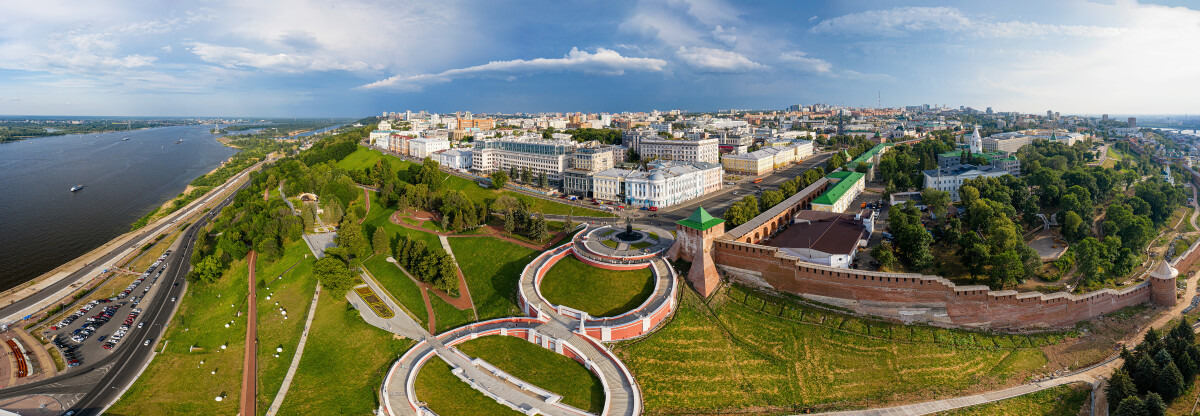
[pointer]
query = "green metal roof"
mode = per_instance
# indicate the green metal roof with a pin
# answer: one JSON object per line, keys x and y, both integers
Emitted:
{"x": 867, "y": 155}
{"x": 846, "y": 180}
{"x": 700, "y": 220}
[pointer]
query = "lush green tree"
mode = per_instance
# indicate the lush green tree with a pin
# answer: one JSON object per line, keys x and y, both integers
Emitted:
{"x": 334, "y": 275}
{"x": 510, "y": 223}
{"x": 543, "y": 181}
{"x": 1145, "y": 373}
{"x": 1131, "y": 406}
{"x": 770, "y": 199}
{"x": 428, "y": 173}
{"x": 883, "y": 254}
{"x": 350, "y": 235}
{"x": 231, "y": 243}
{"x": 1073, "y": 228}
{"x": 334, "y": 211}
{"x": 1155, "y": 405}
{"x": 1119, "y": 387}
{"x": 938, "y": 201}
{"x": 1091, "y": 258}
{"x": 1170, "y": 382}
{"x": 380, "y": 243}
{"x": 208, "y": 270}
{"x": 537, "y": 229}
{"x": 912, "y": 239}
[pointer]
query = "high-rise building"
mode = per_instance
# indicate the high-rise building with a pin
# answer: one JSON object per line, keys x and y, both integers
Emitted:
{"x": 989, "y": 111}
{"x": 1104, "y": 117}
{"x": 1049, "y": 114}
{"x": 1132, "y": 122}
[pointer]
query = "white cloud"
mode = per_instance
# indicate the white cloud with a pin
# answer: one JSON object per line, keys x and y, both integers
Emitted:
{"x": 1110, "y": 75}
{"x": 602, "y": 62}
{"x": 801, "y": 61}
{"x": 238, "y": 57}
{"x": 716, "y": 60}
{"x": 904, "y": 21}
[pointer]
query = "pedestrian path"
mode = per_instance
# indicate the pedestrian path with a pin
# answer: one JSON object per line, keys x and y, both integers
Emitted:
{"x": 550, "y": 330}
{"x": 249, "y": 399}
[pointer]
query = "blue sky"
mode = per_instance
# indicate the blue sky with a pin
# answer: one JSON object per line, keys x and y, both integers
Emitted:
{"x": 360, "y": 57}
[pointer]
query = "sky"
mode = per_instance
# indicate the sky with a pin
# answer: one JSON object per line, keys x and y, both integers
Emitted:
{"x": 304, "y": 58}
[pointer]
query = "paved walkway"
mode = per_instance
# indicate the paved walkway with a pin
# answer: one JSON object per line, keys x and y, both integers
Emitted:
{"x": 249, "y": 402}
{"x": 550, "y": 330}
{"x": 291, "y": 372}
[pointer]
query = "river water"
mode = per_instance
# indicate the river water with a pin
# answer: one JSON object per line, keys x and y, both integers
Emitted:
{"x": 43, "y": 224}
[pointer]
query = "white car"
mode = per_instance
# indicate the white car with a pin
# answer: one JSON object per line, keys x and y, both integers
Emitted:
{"x": 140, "y": 324}
{"x": 146, "y": 343}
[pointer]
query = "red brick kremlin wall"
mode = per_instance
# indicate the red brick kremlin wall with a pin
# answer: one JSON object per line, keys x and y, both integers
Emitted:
{"x": 964, "y": 305}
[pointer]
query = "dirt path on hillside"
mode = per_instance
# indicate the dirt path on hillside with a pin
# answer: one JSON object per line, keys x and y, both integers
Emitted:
{"x": 249, "y": 404}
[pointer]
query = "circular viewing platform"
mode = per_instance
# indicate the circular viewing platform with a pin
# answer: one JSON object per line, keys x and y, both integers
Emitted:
{"x": 615, "y": 244}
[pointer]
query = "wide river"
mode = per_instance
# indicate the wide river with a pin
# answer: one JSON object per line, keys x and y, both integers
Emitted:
{"x": 43, "y": 224}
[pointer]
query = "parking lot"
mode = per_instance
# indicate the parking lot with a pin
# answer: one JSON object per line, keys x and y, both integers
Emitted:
{"x": 99, "y": 326}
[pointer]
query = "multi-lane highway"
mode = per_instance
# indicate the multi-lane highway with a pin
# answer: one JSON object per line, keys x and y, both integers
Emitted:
{"x": 91, "y": 387}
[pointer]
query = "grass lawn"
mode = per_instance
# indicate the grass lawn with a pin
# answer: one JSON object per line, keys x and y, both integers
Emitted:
{"x": 395, "y": 231}
{"x": 447, "y": 395}
{"x": 1055, "y": 401}
{"x": 343, "y": 366}
{"x": 729, "y": 357}
{"x": 609, "y": 243}
{"x": 402, "y": 289}
{"x": 541, "y": 367}
{"x": 294, "y": 293}
{"x": 597, "y": 291}
{"x": 176, "y": 382}
{"x": 449, "y": 317}
{"x": 377, "y": 210}
{"x": 492, "y": 268}
{"x": 433, "y": 226}
{"x": 366, "y": 157}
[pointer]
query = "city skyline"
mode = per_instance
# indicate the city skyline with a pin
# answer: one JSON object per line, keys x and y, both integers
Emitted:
{"x": 349, "y": 58}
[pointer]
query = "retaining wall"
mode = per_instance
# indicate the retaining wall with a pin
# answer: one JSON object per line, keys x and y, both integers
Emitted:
{"x": 915, "y": 297}
{"x": 632, "y": 324}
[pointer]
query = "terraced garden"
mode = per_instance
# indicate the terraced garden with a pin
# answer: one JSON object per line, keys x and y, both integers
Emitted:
{"x": 542, "y": 367}
{"x": 749, "y": 353}
{"x": 599, "y": 292}
{"x": 446, "y": 395}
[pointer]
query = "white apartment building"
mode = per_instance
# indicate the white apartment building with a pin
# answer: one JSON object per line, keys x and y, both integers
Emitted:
{"x": 551, "y": 157}
{"x": 951, "y": 179}
{"x": 704, "y": 151}
{"x": 454, "y": 158}
{"x": 421, "y": 148}
{"x": 667, "y": 183}
{"x": 1010, "y": 142}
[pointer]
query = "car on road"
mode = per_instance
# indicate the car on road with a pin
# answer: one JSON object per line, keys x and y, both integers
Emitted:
{"x": 141, "y": 324}
{"x": 172, "y": 298}
{"x": 101, "y": 338}
{"x": 146, "y": 343}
